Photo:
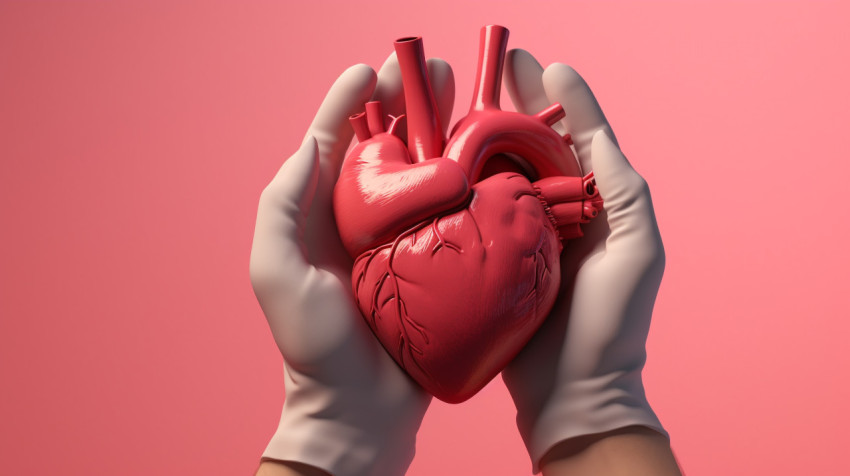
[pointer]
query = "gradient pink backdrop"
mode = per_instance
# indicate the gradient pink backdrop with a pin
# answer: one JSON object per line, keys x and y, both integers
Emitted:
{"x": 135, "y": 138}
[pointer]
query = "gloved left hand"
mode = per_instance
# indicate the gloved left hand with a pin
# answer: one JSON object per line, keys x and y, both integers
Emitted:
{"x": 349, "y": 409}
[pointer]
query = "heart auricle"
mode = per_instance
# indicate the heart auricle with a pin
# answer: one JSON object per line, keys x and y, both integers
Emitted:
{"x": 457, "y": 242}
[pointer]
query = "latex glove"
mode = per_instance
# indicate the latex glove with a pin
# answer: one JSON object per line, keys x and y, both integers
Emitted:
{"x": 581, "y": 373}
{"x": 349, "y": 409}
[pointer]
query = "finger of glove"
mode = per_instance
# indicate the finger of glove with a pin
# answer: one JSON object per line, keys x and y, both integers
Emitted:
{"x": 333, "y": 132}
{"x": 390, "y": 90}
{"x": 628, "y": 204}
{"x": 331, "y": 126}
{"x": 583, "y": 115}
{"x": 278, "y": 256}
{"x": 443, "y": 85}
{"x": 524, "y": 82}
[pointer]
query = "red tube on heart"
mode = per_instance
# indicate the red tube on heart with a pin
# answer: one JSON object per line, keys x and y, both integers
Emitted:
{"x": 360, "y": 126}
{"x": 488, "y": 132}
{"x": 424, "y": 131}
{"x": 491, "y": 59}
{"x": 551, "y": 115}
{"x": 374, "y": 117}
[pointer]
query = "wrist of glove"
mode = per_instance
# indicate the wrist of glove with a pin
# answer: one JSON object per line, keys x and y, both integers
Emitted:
{"x": 354, "y": 431}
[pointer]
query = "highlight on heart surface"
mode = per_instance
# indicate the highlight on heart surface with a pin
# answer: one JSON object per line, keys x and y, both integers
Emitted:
{"x": 457, "y": 240}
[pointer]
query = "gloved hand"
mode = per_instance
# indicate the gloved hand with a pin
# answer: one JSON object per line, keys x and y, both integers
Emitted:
{"x": 349, "y": 409}
{"x": 581, "y": 373}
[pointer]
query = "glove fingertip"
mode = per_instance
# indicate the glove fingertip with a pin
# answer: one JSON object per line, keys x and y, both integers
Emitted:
{"x": 308, "y": 140}
{"x": 562, "y": 73}
{"x": 523, "y": 80}
{"x": 296, "y": 180}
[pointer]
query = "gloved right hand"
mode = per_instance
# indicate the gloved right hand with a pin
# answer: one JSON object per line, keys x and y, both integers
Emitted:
{"x": 580, "y": 375}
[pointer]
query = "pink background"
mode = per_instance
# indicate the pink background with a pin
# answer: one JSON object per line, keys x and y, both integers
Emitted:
{"x": 135, "y": 138}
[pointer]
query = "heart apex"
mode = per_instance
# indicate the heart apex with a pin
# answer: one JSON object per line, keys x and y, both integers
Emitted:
{"x": 455, "y": 396}
{"x": 458, "y": 389}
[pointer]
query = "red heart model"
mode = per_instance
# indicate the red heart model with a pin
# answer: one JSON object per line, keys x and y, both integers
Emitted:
{"x": 457, "y": 244}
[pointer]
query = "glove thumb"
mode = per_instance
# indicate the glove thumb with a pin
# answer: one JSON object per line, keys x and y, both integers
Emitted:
{"x": 294, "y": 185}
{"x": 628, "y": 204}
{"x": 614, "y": 175}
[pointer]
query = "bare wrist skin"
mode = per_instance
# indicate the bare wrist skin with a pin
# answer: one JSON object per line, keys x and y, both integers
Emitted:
{"x": 269, "y": 467}
{"x": 630, "y": 451}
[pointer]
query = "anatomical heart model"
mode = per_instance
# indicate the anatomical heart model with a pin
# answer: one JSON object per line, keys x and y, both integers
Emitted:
{"x": 457, "y": 240}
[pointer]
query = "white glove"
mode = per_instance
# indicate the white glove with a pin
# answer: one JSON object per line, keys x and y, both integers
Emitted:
{"x": 581, "y": 373}
{"x": 349, "y": 409}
